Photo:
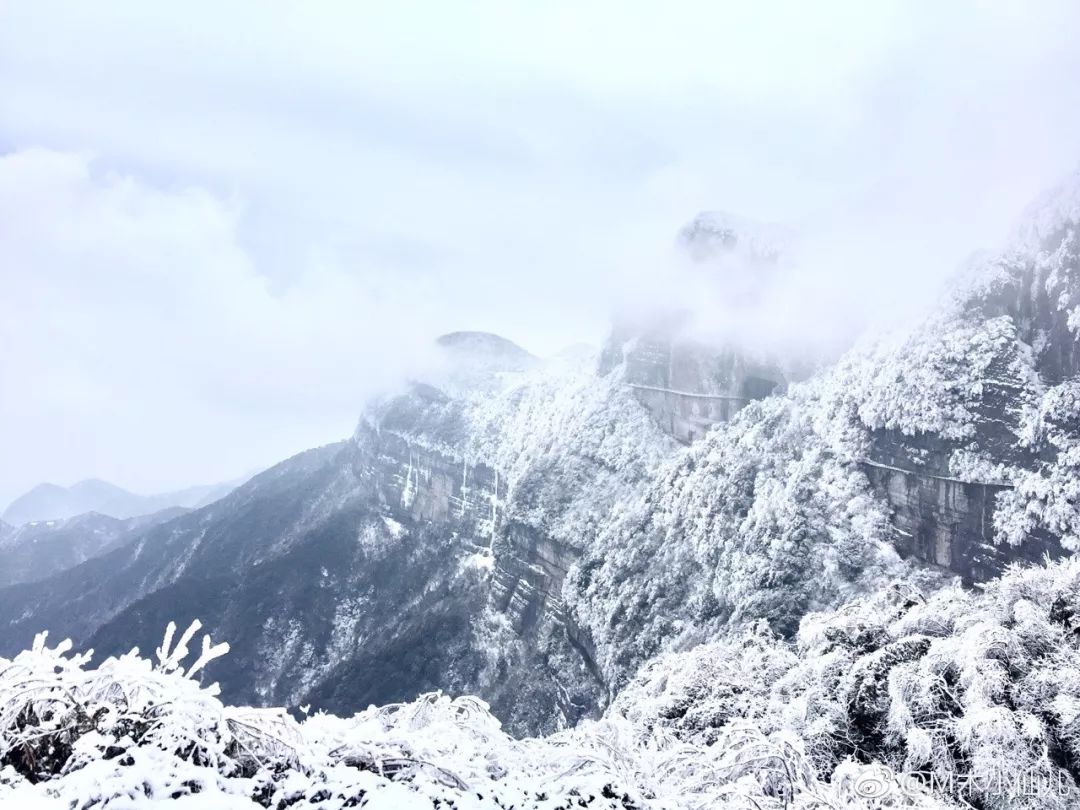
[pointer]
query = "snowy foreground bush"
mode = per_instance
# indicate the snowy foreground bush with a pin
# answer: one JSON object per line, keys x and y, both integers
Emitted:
{"x": 896, "y": 700}
{"x": 132, "y": 733}
{"x": 976, "y": 695}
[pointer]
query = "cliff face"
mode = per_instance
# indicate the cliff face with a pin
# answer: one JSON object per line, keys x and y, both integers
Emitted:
{"x": 686, "y": 385}
{"x": 950, "y": 522}
{"x": 968, "y": 417}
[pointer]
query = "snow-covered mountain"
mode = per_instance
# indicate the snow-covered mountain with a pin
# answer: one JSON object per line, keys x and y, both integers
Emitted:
{"x": 36, "y": 551}
{"x": 970, "y": 419}
{"x": 536, "y": 532}
{"x": 428, "y": 551}
{"x": 52, "y": 502}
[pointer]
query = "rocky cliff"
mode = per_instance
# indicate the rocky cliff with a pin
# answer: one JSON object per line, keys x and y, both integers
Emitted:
{"x": 689, "y": 374}
{"x": 688, "y": 386}
{"x": 968, "y": 415}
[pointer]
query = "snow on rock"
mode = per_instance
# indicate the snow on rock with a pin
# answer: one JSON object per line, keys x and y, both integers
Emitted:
{"x": 712, "y": 234}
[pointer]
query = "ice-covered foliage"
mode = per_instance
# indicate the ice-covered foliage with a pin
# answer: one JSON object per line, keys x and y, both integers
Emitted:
{"x": 571, "y": 445}
{"x": 977, "y": 692}
{"x": 984, "y": 389}
{"x": 697, "y": 693}
{"x": 934, "y": 380}
{"x": 1047, "y": 214}
{"x": 1046, "y": 491}
{"x": 132, "y": 734}
{"x": 764, "y": 518}
{"x": 1048, "y": 496}
{"x": 946, "y": 375}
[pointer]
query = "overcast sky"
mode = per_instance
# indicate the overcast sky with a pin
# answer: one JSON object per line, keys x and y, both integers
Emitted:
{"x": 224, "y": 224}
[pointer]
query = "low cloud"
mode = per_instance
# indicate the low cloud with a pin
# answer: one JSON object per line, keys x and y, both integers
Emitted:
{"x": 137, "y": 326}
{"x": 223, "y": 226}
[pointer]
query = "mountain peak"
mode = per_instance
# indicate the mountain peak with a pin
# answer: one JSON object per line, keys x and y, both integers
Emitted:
{"x": 484, "y": 351}
{"x": 54, "y": 502}
{"x": 1049, "y": 213}
{"x": 712, "y": 234}
{"x": 481, "y": 342}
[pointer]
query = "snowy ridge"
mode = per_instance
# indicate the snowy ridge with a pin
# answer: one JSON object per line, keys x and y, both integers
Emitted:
{"x": 51, "y": 502}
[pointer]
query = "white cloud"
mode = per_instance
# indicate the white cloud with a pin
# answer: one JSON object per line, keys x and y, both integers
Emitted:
{"x": 137, "y": 328}
{"x": 276, "y": 185}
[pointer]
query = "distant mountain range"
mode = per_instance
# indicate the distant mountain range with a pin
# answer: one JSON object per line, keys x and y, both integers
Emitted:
{"x": 53, "y": 502}
{"x": 37, "y": 550}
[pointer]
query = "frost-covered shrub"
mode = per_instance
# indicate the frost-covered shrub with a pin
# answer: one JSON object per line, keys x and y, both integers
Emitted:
{"x": 132, "y": 733}
{"x": 933, "y": 380}
{"x": 1048, "y": 496}
{"x": 55, "y": 715}
{"x": 711, "y": 686}
{"x": 966, "y": 689}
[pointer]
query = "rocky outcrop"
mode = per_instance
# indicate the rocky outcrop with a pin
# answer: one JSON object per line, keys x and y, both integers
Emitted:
{"x": 949, "y": 522}
{"x": 979, "y": 376}
{"x": 716, "y": 235}
{"x": 530, "y": 570}
{"x": 424, "y": 484}
{"x": 686, "y": 385}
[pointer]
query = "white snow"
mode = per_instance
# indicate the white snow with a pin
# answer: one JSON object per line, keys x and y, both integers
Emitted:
{"x": 142, "y": 736}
